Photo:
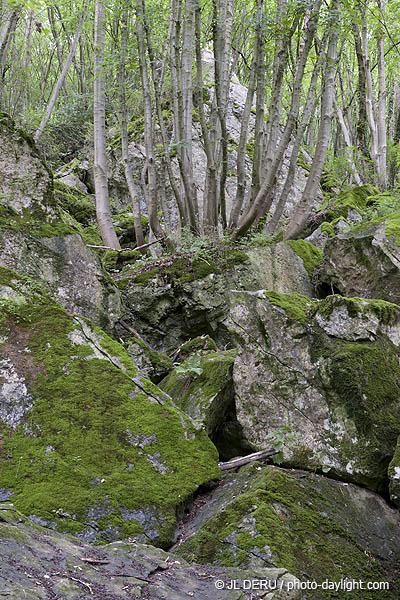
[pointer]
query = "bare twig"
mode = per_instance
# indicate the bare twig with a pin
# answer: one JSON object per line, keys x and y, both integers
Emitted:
{"x": 126, "y": 249}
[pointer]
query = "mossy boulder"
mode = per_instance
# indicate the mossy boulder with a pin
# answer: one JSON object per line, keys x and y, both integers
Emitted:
{"x": 75, "y": 202}
{"x": 68, "y": 269}
{"x": 268, "y": 517}
{"x": 26, "y": 184}
{"x": 87, "y": 445}
{"x": 178, "y": 298}
{"x": 37, "y": 563}
{"x": 328, "y": 371}
{"x": 365, "y": 263}
{"x": 151, "y": 363}
{"x": 202, "y": 387}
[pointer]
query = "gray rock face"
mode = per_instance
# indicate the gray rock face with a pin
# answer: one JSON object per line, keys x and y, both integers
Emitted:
{"x": 26, "y": 184}
{"x": 37, "y": 563}
{"x": 167, "y": 310}
{"x": 366, "y": 265}
{"x": 267, "y": 517}
{"x": 68, "y": 269}
{"x": 328, "y": 370}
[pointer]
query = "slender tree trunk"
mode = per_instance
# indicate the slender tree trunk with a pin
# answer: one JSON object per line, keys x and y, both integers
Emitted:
{"x": 362, "y": 122}
{"x": 103, "y": 210}
{"x": 10, "y": 19}
{"x": 381, "y": 116}
{"x": 273, "y": 164}
{"x": 304, "y": 208}
{"x": 124, "y": 129}
{"x": 61, "y": 79}
{"x": 260, "y": 101}
{"x": 308, "y": 111}
{"x": 50, "y": 13}
{"x": 347, "y": 141}
{"x": 158, "y": 79}
{"x": 241, "y": 152}
{"x": 151, "y": 187}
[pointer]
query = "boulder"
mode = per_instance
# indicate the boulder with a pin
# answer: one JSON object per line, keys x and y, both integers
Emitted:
{"x": 37, "y": 563}
{"x": 181, "y": 297}
{"x": 35, "y": 240}
{"x": 202, "y": 387}
{"x": 325, "y": 371}
{"x": 267, "y": 517}
{"x": 67, "y": 268}
{"x": 26, "y": 184}
{"x": 87, "y": 444}
{"x": 365, "y": 264}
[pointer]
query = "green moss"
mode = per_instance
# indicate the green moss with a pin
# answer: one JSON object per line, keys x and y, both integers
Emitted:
{"x": 395, "y": 462}
{"x": 250, "y": 148}
{"x": 386, "y": 312}
{"x": 327, "y": 229}
{"x": 144, "y": 277}
{"x": 157, "y": 359}
{"x": 78, "y": 204}
{"x": 295, "y": 305}
{"x": 28, "y": 225}
{"x": 184, "y": 270}
{"x": 85, "y": 412}
{"x": 309, "y": 254}
{"x": 196, "y": 393}
{"x": 356, "y": 198}
{"x": 366, "y": 376}
{"x": 293, "y": 525}
{"x": 114, "y": 260}
{"x": 200, "y": 343}
{"x": 393, "y": 227}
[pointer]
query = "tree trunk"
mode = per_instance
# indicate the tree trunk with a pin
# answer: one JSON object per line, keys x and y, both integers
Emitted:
{"x": 103, "y": 210}
{"x": 151, "y": 187}
{"x": 381, "y": 116}
{"x": 274, "y": 162}
{"x": 303, "y": 209}
{"x": 124, "y": 129}
{"x": 63, "y": 74}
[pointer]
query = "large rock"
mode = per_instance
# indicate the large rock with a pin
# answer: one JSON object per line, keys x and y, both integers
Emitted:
{"x": 26, "y": 184}
{"x": 87, "y": 444}
{"x": 320, "y": 530}
{"x": 179, "y": 298}
{"x": 37, "y": 563}
{"x": 365, "y": 264}
{"x": 34, "y": 239}
{"x": 67, "y": 268}
{"x": 329, "y": 371}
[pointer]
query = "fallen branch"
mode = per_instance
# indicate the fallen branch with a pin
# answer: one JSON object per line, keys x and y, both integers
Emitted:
{"x": 238, "y": 462}
{"x": 83, "y": 583}
{"x": 134, "y": 333}
{"x": 95, "y": 561}
{"x": 126, "y": 249}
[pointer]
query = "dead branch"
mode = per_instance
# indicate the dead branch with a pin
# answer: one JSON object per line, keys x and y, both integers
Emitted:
{"x": 238, "y": 462}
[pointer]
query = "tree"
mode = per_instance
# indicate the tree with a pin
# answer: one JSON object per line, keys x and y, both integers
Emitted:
{"x": 103, "y": 210}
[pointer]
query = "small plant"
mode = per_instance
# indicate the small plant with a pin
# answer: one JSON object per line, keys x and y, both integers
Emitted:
{"x": 191, "y": 366}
